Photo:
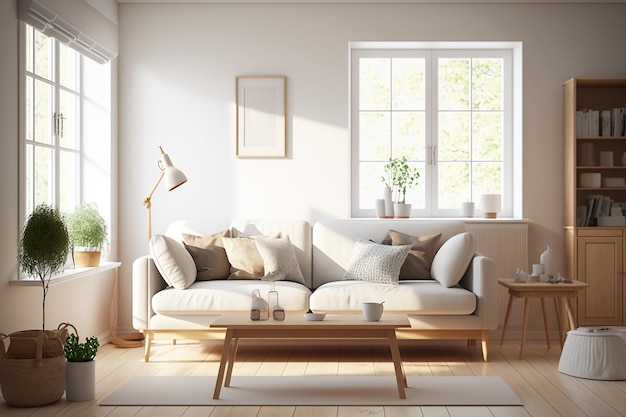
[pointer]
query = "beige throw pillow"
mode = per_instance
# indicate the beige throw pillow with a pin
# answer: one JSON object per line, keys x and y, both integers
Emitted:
{"x": 279, "y": 260}
{"x": 244, "y": 258}
{"x": 214, "y": 239}
{"x": 418, "y": 262}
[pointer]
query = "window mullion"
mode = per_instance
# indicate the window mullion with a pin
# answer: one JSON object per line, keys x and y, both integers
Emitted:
{"x": 57, "y": 112}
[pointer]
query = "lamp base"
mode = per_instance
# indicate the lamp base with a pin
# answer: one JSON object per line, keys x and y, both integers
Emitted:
{"x": 491, "y": 215}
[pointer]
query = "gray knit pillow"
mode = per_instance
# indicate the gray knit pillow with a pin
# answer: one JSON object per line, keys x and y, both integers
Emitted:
{"x": 376, "y": 263}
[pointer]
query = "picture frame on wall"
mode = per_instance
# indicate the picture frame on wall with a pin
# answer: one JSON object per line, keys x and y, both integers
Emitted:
{"x": 260, "y": 120}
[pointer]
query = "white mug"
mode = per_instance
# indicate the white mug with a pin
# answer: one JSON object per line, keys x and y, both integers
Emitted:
{"x": 372, "y": 311}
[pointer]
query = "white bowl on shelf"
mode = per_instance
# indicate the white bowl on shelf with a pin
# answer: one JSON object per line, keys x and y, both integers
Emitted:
{"x": 314, "y": 316}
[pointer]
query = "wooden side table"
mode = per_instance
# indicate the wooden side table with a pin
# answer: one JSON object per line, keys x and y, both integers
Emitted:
{"x": 561, "y": 293}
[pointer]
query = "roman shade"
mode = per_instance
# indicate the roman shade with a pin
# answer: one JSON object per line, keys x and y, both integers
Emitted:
{"x": 91, "y": 31}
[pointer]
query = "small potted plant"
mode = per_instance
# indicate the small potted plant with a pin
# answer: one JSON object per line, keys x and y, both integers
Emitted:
{"x": 88, "y": 235}
{"x": 80, "y": 370}
{"x": 401, "y": 178}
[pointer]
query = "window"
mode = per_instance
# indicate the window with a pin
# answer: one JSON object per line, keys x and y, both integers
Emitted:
{"x": 52, "y": 107}
{"x": 448, "y": 111}
{"x": 65, "y": 134}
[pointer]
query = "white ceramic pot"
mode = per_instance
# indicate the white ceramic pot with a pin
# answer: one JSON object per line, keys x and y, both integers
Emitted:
{"x": 402, "y": 210}
{"x": 80, "y": 381}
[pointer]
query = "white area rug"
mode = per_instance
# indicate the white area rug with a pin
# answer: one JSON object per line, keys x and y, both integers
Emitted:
{"x": 313, "y": 390}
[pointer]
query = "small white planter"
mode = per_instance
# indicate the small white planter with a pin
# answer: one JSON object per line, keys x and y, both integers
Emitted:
{"x": 402, "y": 211}
{"x": 80, "y": 381}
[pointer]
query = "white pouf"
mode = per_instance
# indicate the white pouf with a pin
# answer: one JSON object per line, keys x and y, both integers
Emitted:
{"x": 595, "y": 354}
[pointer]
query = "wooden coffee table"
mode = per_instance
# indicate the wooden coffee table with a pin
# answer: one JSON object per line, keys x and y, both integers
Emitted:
{"x": 295, "y": 326}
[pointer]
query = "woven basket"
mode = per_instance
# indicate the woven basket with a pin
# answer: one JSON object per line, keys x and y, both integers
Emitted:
{"x": 32, "y": 371}
{"x": 24, "y": 344}
{"x": 24, "y": 384}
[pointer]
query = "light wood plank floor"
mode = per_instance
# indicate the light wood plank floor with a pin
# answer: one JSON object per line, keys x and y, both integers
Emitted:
{"x": 544, "y": 391}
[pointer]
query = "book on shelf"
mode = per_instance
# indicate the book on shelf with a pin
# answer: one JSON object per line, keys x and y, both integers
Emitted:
{"x": 598, "y": 205}
{"x": 601, "y": 122}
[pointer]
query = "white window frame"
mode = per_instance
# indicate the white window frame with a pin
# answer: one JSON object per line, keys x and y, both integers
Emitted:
{"x": 511, "y": 52}
{"x": 94, "y": 172}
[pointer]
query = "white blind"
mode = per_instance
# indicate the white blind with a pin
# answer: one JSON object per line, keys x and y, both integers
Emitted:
{"x": 77, "y": 24}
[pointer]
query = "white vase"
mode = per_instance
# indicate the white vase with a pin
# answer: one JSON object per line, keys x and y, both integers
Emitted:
{"x": 80, "y": 381}
{"x": 467, "y": 209}
{"x": 388, "y": 202}
{"x": 402, "y": 210}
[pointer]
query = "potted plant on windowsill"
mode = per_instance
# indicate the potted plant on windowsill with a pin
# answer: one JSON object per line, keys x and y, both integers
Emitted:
{"x": 88, "y": 235}
{"x": 400, "y": 177}
{"x": 32, "y": 370}
{"x": 80, "y": 371}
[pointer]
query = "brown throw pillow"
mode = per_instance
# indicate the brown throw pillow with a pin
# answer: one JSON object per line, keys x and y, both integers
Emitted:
{"x": 418, "y": 262}
{"x": 211, "y": 262}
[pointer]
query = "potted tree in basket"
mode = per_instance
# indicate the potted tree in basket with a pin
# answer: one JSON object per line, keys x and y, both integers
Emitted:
{"x": 32, "y": 371}
{"x": 401, "y": 178}
{"x": 80, "y": 375}
{"x": 88, "y": 235}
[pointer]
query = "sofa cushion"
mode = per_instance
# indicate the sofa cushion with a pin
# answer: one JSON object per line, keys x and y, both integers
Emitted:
{"x": 279, "y": 260}
{"x": 244, "y": 258}
{"x": 214, "y": 239}
{"x": 211, "y": 262}
{"x": 375, "y": 262}
{"x": 173, "y": 261}
{"x": 223, "y": 296}
{"x": 452, "y": 259}
{"x": 418, "y": 261}
{"x": 419, "y": 297}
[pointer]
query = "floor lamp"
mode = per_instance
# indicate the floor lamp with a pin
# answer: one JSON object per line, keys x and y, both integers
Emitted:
{"x": 173, "y": 178}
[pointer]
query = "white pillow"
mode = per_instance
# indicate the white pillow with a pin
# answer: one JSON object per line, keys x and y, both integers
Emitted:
{"x": 279, "y": 260}
{"x": 173, "y": 261}
{"x": 452, "y": 259}
{"x": 376, "y": 263}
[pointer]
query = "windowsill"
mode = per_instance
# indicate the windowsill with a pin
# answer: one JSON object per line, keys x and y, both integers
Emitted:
{"x": 68, "y": 275}
{"x": 460, "y": 219}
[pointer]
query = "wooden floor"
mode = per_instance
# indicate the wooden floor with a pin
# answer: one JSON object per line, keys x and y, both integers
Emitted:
{"x": 544, "y": 391}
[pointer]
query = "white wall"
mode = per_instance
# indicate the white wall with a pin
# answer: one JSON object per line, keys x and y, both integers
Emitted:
{"x": 177, "y": 69}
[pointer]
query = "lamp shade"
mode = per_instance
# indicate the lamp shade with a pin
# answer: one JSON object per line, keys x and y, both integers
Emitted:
{"x": 490, "y": 205}
{"x": 173, "y": 176}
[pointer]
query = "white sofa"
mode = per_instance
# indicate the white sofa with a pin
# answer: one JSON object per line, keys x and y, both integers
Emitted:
{"x": 324, "y": 253}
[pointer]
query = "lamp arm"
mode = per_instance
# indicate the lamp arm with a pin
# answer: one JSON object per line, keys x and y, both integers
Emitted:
{"x": 147, "y": 203}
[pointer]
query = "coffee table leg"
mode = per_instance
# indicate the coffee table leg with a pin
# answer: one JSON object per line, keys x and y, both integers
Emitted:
{"x": 231, "y": 360}
{"x": 225, "y": 354}
{"x": 397, "y": 364}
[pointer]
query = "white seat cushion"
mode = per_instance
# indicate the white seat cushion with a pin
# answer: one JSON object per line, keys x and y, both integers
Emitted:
{"x": 408, "y": 297}
{"x": 221, "y": 296}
